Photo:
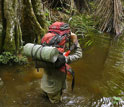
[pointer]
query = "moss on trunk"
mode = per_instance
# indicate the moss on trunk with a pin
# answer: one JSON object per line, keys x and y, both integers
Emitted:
{"x": 0, "y": 24}
{"x": 1, "y": 27}
{"x": 13, "y": 20}
{"x": 38, "y": 10}
{"x": 34, "y": 21}
{"x": 10, "y": 8}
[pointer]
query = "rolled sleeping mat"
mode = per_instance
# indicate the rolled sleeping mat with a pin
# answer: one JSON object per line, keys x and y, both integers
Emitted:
{"x": 46, "y": 53}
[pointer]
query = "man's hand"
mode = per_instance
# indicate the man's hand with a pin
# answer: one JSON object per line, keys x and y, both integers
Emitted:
{"x": 74, "y": 38}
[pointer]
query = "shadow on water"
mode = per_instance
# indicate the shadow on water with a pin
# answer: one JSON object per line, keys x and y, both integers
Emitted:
{"x": 99, "y": 80}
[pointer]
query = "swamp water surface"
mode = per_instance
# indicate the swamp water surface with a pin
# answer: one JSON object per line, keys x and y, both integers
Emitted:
{"x": 99, "y": 80}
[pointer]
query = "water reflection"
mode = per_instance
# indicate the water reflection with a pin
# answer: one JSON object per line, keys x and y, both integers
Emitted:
{"x": 99, "y": 77}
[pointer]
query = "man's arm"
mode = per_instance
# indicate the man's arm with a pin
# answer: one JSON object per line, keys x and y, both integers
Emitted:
{"x": 77, "y": 52}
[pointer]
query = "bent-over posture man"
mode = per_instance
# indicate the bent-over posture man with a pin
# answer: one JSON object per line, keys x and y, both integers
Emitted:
{"x": 54, "y": 80}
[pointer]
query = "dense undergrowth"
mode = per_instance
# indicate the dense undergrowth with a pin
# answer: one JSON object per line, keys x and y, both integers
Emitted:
{"x": 80, "y": 24}
{"x": 10, "y": 59}
{"x": 83, "y": 26}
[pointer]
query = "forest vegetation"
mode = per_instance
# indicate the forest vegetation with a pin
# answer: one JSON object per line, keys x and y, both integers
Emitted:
{"x": 23, "y": 21}
{"x": 99, "y": 25}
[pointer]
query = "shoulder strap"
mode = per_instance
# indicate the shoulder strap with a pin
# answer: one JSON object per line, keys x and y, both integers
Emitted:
{"x": 56, "y": 39}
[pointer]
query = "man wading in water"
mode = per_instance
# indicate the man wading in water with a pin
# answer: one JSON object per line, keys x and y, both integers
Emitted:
{"x": 54, "y": 80}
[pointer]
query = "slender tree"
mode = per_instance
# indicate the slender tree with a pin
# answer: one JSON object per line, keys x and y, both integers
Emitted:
{"x": 0, "y": 24}
{"x": 110, "y": 15}
{"x": 67, "y": 4}
{"x": 18, "y": 16}
{"x": 82, "y": 5}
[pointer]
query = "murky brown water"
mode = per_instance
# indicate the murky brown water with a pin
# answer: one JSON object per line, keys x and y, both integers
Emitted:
{"x": 99, "y": 77}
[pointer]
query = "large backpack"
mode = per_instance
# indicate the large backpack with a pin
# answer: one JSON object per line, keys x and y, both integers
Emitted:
{"x": 57, "y": 36}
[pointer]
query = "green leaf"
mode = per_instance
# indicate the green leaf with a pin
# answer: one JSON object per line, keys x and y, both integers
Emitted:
{"x": 116, "y": 98}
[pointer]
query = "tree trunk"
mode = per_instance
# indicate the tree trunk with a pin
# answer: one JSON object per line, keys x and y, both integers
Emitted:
{"x": 110, "y": 15}
{"x": 79, "y": 5}
{"x": 82, "y": 5}
{"x": 1, "y": 27}
{"x": 62, "y": 5}
{"x": 16, "y": 16}
{"x": 11, "y": 27}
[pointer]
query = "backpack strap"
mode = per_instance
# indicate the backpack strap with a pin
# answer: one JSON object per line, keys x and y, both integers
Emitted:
{"x": 73, "y": 76}
{"x": 56, "y": 40}
{"x": 69, "y": 43}
{"x": 35, "y": 55}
